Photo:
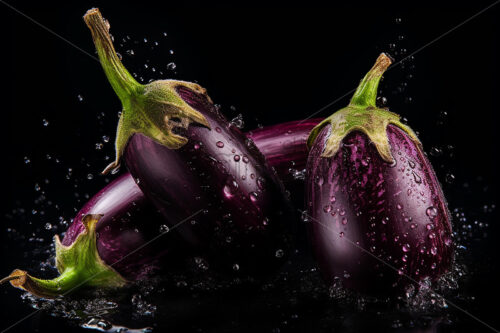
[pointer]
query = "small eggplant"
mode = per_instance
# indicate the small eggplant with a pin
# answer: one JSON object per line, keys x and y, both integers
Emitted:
{"x": 378, "y": 217}
{"x": 188, "y": 159}
{"x": 102, "y": 247}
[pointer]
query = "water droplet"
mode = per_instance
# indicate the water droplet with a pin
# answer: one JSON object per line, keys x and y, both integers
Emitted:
{"x": 45, "y": 122}
{"x": 218, "y": 130}
{"x": 399, "y": 206}
{"x": 90, "y": 176}
{"x": 236, "y": 267}
{"x": 80, "y": 98}
{"x": 435, "y": 151}
{"x": 327, "y": 208}
{"x": 434, "y": 250}
{"x": 253, "y": 196}
{"x": 433, "y": 266}
{"x": 406, "y": 247}
{"x": 238, "y": 121}
{"x": 413, "y": 225}
{"x": 319, "y": 180}
{"x": 333, "y": 199}
{"x": 171, "y": 66}
{"x": 342, "y": 212}
{"x": 344, "y": 220}
{"x": 196, "y": 146}
{"x": 416, "y": 177}
{"x": 237, "y": 158}
{"x": 245, "y": 159}
{"x": 164, "y": 228}
{"x": 130, "y": 52}
{"x": 98, "y": 146}
{"x": 48, "y": 226}
{"x": 431, "y": 212}
{"x": 27, "y": 160}
{"x": 279, "y": 253}
{"x": 341, "y": 234}
{"x": 450, "y": 178}
{"x": 411, "y": 164}
{"x": 220, "y": 144}
{"x": 37, "y": 187}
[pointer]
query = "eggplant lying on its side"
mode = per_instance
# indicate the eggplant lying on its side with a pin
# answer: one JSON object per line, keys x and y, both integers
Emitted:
{"x": 103, "y": 245}
{"x": 378, "y": 217}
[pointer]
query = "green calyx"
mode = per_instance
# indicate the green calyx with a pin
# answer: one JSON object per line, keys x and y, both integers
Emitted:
{"x": 153, "y": 109}
{"x": 78, "y": 264}
{"x": 363, "y": 115}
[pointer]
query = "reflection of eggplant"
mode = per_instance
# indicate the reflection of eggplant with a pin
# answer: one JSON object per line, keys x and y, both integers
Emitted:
{"x": 370, "y": 186}
{"x": 99, "y": 248}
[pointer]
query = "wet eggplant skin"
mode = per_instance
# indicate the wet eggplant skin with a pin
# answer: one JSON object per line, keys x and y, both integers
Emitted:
{"x": 242, "y": 215}
{"x": 362, "y": 207}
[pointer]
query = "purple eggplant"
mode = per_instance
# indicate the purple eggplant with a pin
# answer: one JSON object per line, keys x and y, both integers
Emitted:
{"x": 189, "y": 160}
{"x": 122, "y": 210}
{"x": 377, "y": 216}
{"x": 102, "y": 247}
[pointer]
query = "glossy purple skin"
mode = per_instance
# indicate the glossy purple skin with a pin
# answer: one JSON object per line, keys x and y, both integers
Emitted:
{"x": 395, "y": 212}
{"x": 125, "y": 207}
{"x": 128, "y": 222}
{"x": 244, "y": 217}
{"x": 284, "y": 145}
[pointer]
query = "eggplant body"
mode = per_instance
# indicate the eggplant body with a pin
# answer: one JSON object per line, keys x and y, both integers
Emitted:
{"x": 242, "y": 218}
{"x": 378, "y": 217}
{"x": 361, "y": 206}
{"x": 128, "y": 222}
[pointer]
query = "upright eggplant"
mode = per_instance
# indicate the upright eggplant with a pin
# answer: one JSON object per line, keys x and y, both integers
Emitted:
{"x": 188, "y": 160}
{"x": 103, "y": 245}
{"x": 378, "y": 217}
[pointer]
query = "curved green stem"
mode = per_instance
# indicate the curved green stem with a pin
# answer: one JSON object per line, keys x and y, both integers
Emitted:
{"x": 122, "y": 82}
{"x": 79, "y": 265}
{"x": 147, "y": 109}
{"x": 366, "y": 93}
{"x": 363, "y": 115}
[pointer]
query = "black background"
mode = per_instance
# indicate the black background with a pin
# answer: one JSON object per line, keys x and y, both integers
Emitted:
{"x": 272, "y": 62}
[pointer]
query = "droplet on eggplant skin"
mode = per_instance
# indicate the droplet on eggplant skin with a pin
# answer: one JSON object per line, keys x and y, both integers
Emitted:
{"x": 383, "y": 219}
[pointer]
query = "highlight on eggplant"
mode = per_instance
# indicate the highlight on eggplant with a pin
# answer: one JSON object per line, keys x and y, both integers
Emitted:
{"x": 125, "y": 208}
{"x": 369, "y": 183}
{"x": 187, "y": 157}
{"x": 102, "y": 250}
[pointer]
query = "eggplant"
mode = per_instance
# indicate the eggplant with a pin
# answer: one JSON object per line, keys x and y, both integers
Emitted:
{"x": 378, "y": 219}
{"x": 104, "y": 246}
{"x": 188, "y": 159}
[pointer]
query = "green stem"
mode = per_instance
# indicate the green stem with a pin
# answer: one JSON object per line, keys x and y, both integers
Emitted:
{"x": 366, "y": 93}
{"x": 122, "y": 82}
{"x": 64, "y": 283}
{"x": 79, "y": 265}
